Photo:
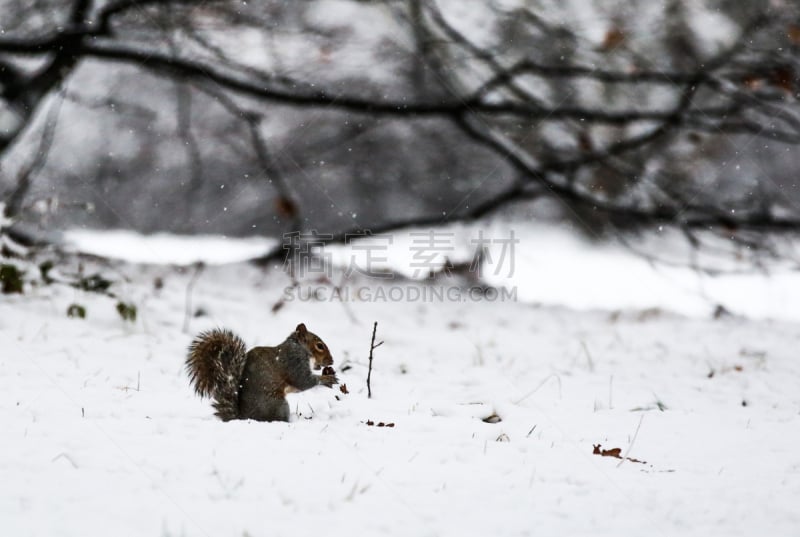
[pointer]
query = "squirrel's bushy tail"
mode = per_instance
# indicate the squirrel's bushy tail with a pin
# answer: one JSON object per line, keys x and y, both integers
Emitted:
{"x": 215, "y": 364}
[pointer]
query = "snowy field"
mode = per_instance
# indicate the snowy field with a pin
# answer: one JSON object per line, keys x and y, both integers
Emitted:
{"x": 102, "y": 434}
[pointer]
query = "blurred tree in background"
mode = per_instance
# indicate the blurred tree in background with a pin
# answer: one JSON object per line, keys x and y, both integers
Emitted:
{"x": 341, "y": 115}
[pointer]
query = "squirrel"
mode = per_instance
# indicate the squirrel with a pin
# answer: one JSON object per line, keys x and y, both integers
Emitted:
{"x": 253, "y": 384}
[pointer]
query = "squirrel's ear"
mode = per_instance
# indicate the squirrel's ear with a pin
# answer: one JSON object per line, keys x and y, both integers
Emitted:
{"x": 301, "y": 329}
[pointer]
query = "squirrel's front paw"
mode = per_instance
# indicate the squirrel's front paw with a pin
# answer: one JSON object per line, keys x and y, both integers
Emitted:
{"x": 328, "y": 377}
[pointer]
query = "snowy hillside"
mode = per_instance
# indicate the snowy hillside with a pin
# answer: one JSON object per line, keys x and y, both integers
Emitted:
{"x": 102, "y": 433}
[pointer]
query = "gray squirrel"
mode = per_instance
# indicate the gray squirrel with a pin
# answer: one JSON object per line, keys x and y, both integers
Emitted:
{"x": 253, "y": 384}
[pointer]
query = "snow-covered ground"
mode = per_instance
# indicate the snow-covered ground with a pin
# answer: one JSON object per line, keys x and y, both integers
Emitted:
{"x": 102, "y": 433}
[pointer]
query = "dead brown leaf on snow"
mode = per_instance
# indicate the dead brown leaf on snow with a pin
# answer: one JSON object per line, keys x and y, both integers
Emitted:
{"x": 613, "y": 452}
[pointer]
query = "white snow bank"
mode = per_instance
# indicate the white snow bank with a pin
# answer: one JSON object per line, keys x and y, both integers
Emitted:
{"x": 550, "y": 265}
{"x": 556, "y": 266}
{"x": 165, "y": 248}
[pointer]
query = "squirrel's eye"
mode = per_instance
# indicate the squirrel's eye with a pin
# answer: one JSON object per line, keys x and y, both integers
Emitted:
{"x": 320, "y": 346}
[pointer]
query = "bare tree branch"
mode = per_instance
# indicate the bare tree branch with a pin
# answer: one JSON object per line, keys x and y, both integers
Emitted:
{"x": 25, "y": 176}
{"x": 498, "y": 106}
{"x": 286, "y": 204}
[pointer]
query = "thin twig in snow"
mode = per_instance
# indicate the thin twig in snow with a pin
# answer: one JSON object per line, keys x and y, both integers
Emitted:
{"x": 630, "y": 446}
{"x": 537, "y": 388}
{"x": 372, "y": 347}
